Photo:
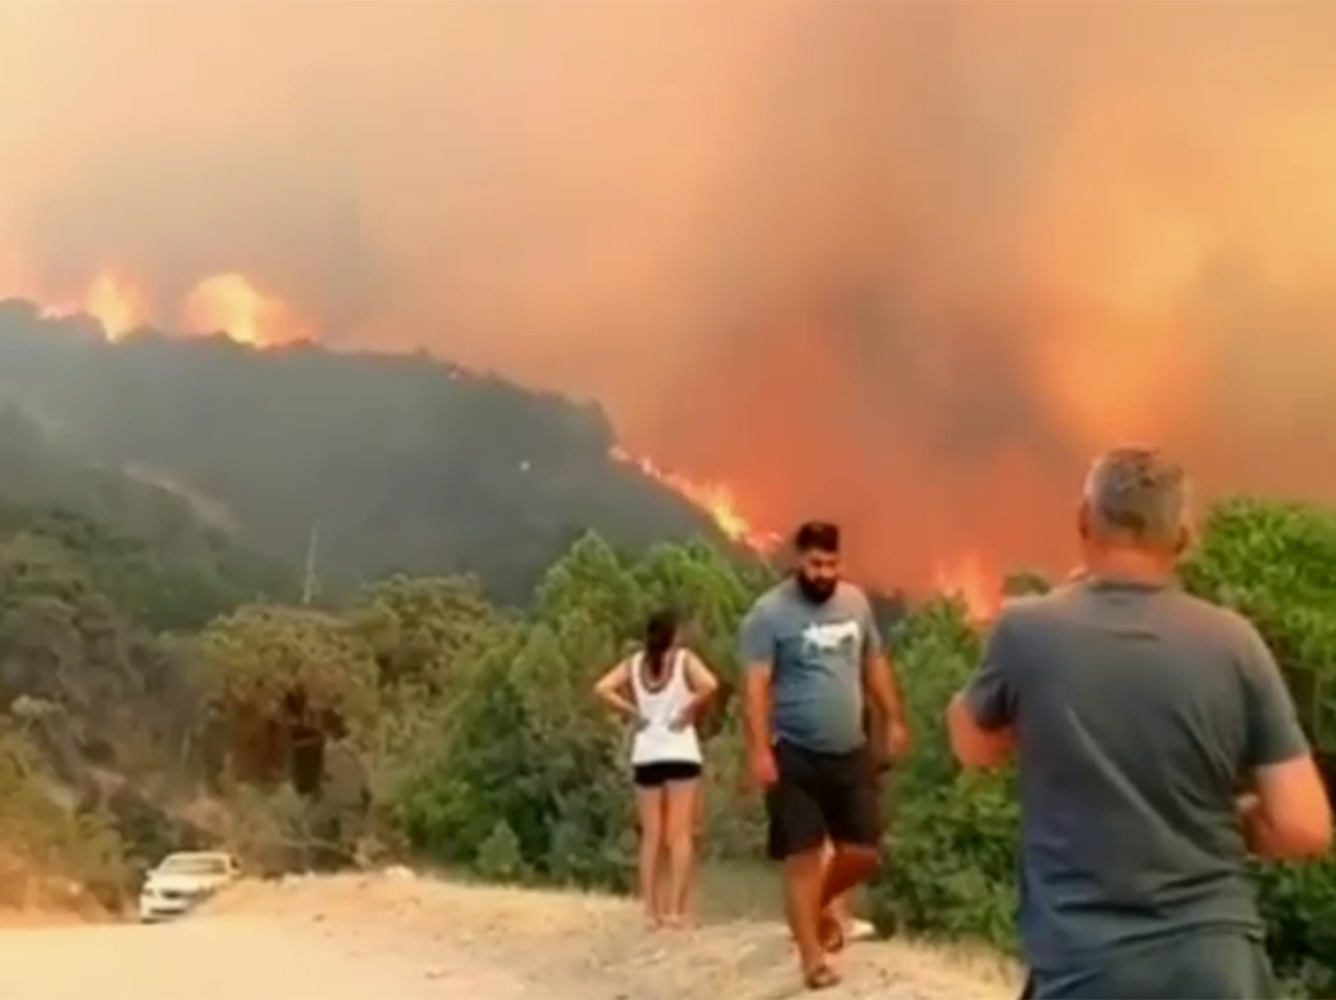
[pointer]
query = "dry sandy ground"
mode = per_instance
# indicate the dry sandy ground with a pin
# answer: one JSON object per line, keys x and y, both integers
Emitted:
{"x": 400, "y": 937}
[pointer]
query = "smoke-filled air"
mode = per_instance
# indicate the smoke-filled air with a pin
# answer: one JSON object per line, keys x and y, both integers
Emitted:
{"x": 903, "y": 265}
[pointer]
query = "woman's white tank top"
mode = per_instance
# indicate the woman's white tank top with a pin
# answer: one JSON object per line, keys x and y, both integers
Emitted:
{"x": 657, "y": 743}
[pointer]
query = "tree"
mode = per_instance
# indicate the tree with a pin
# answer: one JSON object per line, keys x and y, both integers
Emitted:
{"x": 1276, "y": 564}
{"x": 278, "y": 675}
{"x": 418, "y": 627}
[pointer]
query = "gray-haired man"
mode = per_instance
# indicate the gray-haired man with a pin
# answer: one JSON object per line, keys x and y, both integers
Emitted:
{"x": 1137, "y": 714}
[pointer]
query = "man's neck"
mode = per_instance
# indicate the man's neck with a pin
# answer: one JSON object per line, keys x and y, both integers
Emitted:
{"x": 1134, "y": 566}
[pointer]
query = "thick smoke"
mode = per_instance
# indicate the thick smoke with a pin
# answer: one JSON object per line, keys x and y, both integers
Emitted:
{"x": 907, "y": 265}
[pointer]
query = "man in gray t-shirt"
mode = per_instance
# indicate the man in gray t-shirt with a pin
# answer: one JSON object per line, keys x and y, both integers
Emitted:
{"x": 1138, "y": 715}
{"x": 812, "y": 657}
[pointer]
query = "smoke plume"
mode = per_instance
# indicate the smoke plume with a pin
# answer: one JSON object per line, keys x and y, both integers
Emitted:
{"x": 906, "y": 265}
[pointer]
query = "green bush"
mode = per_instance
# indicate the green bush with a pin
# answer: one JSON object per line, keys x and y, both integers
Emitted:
{"x": 499, "y": 857}
{"x": 1276, "y": 563}
{"x": 951, "y": 864}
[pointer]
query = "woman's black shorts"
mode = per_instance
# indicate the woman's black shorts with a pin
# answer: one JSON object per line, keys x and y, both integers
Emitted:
{"x": 661, "y": 773}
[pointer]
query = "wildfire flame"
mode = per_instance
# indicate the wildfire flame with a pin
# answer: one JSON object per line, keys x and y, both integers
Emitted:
{"x": 232, "y": 304}
{"x": 115, "y": 303}
{"x": 110, "y": 297}
{"x": 714, "y": 498}
{"x": 967, "y": 579}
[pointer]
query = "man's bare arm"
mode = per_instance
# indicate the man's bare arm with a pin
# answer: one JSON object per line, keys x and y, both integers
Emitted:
{"x": 756, "y": 706}
{"x": 1289, "y": 816}
{"x": 883, "y": 687}
{"x": 975, "y": 746}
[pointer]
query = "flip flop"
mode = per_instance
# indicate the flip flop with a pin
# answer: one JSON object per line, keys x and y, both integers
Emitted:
{"x": 860, "y": 930}
{"x": 823, "y": 977}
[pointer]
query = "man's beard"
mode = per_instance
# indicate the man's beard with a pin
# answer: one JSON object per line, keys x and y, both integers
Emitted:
{"x": 816, "y": 591}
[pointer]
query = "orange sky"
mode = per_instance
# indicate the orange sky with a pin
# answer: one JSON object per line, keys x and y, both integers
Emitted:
{"x": 903, "y": 264}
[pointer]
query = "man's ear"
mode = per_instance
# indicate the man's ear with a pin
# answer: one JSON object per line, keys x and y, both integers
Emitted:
{"x": 1185, "y": 539}
{"x": 1083, "y": 521}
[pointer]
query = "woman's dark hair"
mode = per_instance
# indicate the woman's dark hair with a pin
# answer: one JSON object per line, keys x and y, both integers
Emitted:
{"x": 660, "y": 633}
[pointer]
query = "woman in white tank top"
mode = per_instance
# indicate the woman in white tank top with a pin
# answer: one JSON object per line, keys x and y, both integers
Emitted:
{"x": 662, "y": 690}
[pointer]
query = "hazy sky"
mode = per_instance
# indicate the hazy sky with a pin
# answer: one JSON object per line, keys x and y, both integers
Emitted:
{"x": 904, "y": 264}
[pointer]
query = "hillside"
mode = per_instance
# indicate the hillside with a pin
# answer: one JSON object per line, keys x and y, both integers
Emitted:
{"x": 396, "y": 463}
{"x": 154, "y": 551}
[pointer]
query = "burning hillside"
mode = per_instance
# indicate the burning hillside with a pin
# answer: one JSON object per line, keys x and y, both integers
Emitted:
{"x": 715, "y": 499}
{"x": 905, "y": 266}
{"x": 966, "y": 578}
{"x": 221, "y": 303}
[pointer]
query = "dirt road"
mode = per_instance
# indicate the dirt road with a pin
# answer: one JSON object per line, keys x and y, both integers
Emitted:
{"x": 398, "y": 936}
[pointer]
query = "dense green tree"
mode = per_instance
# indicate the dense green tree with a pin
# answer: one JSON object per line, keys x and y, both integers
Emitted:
{"x": 258, "y": 657}
{"x": 418, "y": 627}
{"x": 281, "y": 679}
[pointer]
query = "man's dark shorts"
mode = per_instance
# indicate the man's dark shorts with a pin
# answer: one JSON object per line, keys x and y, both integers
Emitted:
{"x": 1221, "y": 965}
{"x": 820, "y": 796}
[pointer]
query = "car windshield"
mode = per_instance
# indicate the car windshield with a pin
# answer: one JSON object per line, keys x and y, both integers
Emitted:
{"x": 196, "y": 865}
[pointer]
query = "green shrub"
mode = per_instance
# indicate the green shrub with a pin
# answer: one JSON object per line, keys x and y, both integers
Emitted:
{"x": 1276, "y": 564}
{"x": 499, "y": 858}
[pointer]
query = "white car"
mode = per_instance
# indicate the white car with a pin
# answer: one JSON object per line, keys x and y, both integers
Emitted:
{"x": 183, "y": 880}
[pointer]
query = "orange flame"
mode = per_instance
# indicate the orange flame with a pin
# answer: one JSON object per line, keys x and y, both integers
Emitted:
{"x": 967, "y": 579}
{"x": 111, "y": 297}
{"x": 115, "y": 303}
{"x": 715, "y": 499}
{"x": 230, "y": 303}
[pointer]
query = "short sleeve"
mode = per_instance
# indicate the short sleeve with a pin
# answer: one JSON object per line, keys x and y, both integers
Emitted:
{"x": 872, "y": 643}
{"x": 992, "y": 695}
{"x": 756, "y": 640}
{"x": 1274, "y": 735}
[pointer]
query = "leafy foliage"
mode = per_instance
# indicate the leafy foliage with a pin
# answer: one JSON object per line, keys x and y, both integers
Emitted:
{"x": 257, "y": 658}
{"x": 144, "y": 546}
{"x": 951, "y": 867}
{"x": 1276, "y": 563}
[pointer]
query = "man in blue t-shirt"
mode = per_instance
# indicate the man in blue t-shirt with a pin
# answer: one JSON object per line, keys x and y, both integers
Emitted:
{"x": 812, "y": 657}
{"x": 1138, "y": 714}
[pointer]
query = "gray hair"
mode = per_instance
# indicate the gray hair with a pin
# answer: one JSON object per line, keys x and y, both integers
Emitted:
{"x": 1138, "y": 495}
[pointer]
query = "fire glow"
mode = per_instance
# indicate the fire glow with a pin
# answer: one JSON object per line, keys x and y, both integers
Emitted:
{"x": 965, "y": 578}
{"x": 229, "y": 303}
{"x": 232, "y": 304}
{"x": 716, "y": 499}
{"x": 969, "y": 581}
